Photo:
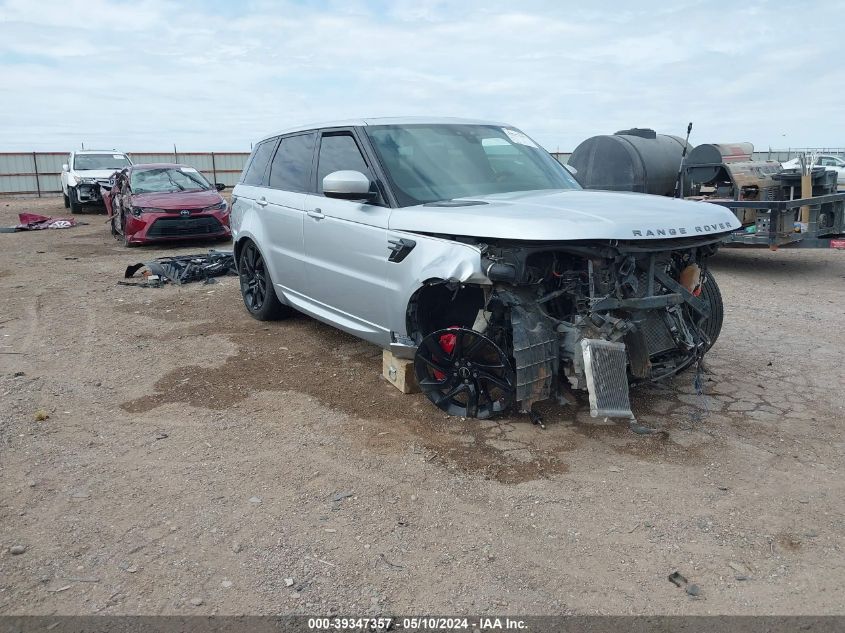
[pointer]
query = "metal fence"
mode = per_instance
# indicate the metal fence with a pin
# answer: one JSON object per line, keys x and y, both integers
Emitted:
{"x": 39, "y": 173}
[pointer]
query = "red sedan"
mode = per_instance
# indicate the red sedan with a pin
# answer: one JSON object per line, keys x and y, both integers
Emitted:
{"x": 165, "y": 202}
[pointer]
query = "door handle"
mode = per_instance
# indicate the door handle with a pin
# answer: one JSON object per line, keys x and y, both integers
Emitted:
{"x": 262, "y": 202}
{"x": 317, "y": 214}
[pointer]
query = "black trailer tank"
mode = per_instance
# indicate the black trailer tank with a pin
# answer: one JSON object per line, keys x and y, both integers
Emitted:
{"x": 629, "y": 160}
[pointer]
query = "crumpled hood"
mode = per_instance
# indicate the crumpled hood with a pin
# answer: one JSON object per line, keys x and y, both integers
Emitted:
{"x": 178, "y": 200}
{"x": 568, "y": 215}
{"x": 100, "y": 174}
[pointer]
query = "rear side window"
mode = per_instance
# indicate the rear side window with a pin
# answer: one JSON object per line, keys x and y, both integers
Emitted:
{"x": 339, "y": 152}
{"x": 291, "y": 168}
{"x": 258, "y": 165}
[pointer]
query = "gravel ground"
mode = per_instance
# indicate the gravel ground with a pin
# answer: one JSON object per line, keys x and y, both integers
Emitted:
{"x": 196, "y": 461}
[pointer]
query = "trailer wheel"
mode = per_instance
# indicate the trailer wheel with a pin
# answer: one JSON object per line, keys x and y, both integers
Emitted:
{"x": 711, "y": 294}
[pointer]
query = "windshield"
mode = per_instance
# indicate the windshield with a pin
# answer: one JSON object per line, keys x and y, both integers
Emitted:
{"x": 168, "y": 180}
{"x": 430, "y": 163}
{"x": 100, "y": 161}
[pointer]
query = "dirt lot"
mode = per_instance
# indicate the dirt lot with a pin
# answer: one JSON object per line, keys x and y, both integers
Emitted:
{"x": 193, "y": 454}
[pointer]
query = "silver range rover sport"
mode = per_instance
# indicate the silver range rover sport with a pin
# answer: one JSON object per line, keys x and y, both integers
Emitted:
{"x": 465, "y": 246}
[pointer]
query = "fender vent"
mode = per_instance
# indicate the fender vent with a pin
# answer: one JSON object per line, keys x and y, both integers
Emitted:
{"x": 606, "y": 367}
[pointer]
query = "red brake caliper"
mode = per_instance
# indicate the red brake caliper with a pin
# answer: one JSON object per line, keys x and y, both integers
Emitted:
{"x": 447, "y": 344}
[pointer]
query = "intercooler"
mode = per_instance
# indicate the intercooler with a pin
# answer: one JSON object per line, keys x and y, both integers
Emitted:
{"x": 606, "y": 369}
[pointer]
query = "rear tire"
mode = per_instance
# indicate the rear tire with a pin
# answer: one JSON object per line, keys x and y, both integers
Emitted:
{"x": 712, "y": 296}
{"x": 73, "y": 201}
{"x": 257, "y": 288}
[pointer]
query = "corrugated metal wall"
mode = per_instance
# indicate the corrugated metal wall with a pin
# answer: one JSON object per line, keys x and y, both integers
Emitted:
{"x": 39, "y": 173}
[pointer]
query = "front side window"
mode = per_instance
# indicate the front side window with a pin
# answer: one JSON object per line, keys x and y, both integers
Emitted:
{"x": 291, "y": 168}
{"x": 82, "y": 162}
{"x": 339, "y": 152}
{"x": 260, "y": 161}
{"x": 168, "y": 180}
{"x": 435, "y": 162}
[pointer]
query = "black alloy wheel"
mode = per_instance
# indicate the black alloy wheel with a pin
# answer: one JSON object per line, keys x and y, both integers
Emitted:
{"x": 464, "y": 373}
{"x": 256, "y": 286}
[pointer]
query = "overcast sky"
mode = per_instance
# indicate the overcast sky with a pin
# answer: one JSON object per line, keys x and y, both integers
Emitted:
{"x": 145, "y": 74}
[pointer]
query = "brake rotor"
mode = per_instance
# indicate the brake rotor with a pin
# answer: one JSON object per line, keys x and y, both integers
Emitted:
{"x": 464, "y": 373}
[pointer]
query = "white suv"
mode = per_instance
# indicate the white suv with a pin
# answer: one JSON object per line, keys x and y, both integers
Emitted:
{"x": 85, "y": 171}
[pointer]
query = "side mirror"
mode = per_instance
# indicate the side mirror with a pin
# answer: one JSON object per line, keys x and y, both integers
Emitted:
{"x": 347, "y": 185}
{"x": 219, "y": 186}
{"x": 570, "y": 168}
{"x": 65, "y": 167}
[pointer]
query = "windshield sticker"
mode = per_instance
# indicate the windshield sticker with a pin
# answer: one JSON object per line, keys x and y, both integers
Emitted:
{"x": 118, "y": 156}
{"x": 518, "y": 137}
{"x": 189, "y": 170}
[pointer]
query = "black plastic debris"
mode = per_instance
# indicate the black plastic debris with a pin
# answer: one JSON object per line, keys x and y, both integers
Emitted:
{"x": 677, "y": 579}
{"x": 183, "y": 269}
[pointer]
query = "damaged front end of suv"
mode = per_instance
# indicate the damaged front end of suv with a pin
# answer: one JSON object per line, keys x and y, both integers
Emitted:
{"x": 581, "y": 315}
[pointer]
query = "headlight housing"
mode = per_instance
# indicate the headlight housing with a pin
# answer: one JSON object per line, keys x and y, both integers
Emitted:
{"x": 220, "y": 206}
{"x": 136, "y": 211}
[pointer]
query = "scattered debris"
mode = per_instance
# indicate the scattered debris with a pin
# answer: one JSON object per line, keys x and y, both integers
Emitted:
{"x": 197, "y": 602}
{"x": 340, "y": 496}
{"x": 693, "y": 590}
{"x": 41, "y": 415}
{"x": 237, "y": 547}
{"x": 65, "y": 588}
{"x": 182, "y": 269}
{"x": 35, "y": 222}
{"x": 255, "y": 500}
{"x": 131, "y": 569}
{"x": 226, "y": 584}
{"x": 17, "y": 549}
{"x": 161, "y": 436}
{"x": 18, "y": 374}
{"x": 677, "y": 579}
{"x": 288, "y": 582}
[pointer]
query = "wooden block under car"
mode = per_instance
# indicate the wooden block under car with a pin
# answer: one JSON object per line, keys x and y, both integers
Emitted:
{"x": 399, "y": 372}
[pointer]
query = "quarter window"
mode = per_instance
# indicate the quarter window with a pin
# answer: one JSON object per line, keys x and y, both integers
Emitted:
{"x": 339, "y": 152}
{"x": 258, "y": 165}
{"x": 291, "y": 168}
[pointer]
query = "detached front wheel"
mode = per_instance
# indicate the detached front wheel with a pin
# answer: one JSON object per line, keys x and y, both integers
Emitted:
{"x": 464, "y": 373}
{"x": 256, "y": 286}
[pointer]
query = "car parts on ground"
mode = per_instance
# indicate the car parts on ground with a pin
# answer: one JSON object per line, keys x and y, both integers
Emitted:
{"x": 36, "y": 222}
{"x": 182, "y": 269}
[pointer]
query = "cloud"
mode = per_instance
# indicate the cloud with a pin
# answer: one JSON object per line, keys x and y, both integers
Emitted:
{"x": 215, "y": 75}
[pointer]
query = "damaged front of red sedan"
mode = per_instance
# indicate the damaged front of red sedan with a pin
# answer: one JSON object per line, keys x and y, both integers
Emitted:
{"x": 164, "y": 202}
